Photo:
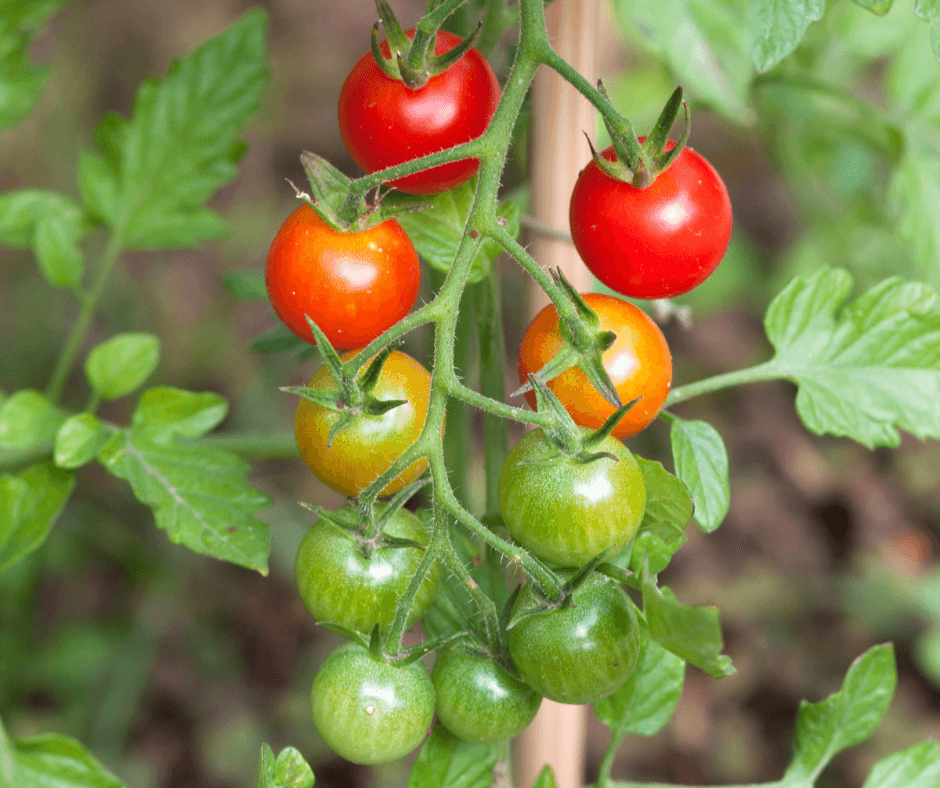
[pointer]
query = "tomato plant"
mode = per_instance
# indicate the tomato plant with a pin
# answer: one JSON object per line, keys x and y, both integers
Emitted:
{"x": 342, "y": 581}
{"x": 656, "y": 242}
{"x": 384, "y": 123}
{"x": 370, "y": 444}
{"x": 352, "y": 285}
{"x": 479, "y": 700}
{"x": 567, "y": 510}
{"x": 368, "y": 710}
{"x": 639, "y": 364}
{"x": 579, "y": 653}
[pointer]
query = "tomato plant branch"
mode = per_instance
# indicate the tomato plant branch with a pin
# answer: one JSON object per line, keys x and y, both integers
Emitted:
{"x": 607, "y": 763}
{"x": 496, "y": 408}
{"x": 767, "y": 371}
{"x": 83, "y": 323}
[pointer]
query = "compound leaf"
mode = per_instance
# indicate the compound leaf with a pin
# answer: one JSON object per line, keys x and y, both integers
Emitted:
{"x": 864, "y": 369}
{"x": 181, "y": 143}
{"x": 198, "y": 494}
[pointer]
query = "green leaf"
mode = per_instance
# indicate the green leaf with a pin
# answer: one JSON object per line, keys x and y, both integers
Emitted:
{"x": 546, "y": 779}
{"x": 288, "y": 770}
{"x": 693, "y": 633}
{"x": 702, "y": 465}
{"x": 50, "y": 761}
{"x": 846, "y": 718}
{"x": 21, "y": 81}
{"x": 445, "y": 761}
{"x": 246, "y": 285}
{"x": 778, "y": 26}
{"x": 28, "y": 420}
{"x": 914, "y": 198}
{"x": 880, "y": 7}
{"x": 181, "y": 144}
{"x": 668, "y": 511}
{"x": 120, "y": 365}
{"x": 198, "y": 494}
{"x": 870, "y": 369}
{"x": 915, "y": 767}
{"x": 648, "y": 700}
{"x": 79, "y": 441}
{"x": 705, "y": 43}
{"x": 436, "y": 231}
{"x": 52, "y": 225}
{"x": 929, "y": 11}
{"x": 30, "y": 502}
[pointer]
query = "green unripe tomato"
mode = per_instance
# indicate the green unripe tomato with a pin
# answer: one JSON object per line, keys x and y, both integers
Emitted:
{"x": 339, "y": 585}
{"x": 480, "y": 701}
{"x": 580, "y": 653}
{"x": 567, "y": 511}
{"x": 371, "y": 711}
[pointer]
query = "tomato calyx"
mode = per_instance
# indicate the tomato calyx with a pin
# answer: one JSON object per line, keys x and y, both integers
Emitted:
{"x": 583, "y": 346}
{"x": 353, "y": 396}
{"x": 336, "y": 200}
{"x": 640, "y": 159}
{"x": 412, "y": 59}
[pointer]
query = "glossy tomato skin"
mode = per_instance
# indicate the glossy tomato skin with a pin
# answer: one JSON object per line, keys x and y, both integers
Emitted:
{"x": 370, "y": 711}
{"x": 368, "y": 446}
{"x": 383, "y": 123}
{"x": 478, "y": 700}
{"x": 339, "y": 585}
{"x": 657, "y": 242}
{"x": 580, "y": 653}
{"x": 565, "y": 511}
{"x": 353, "y": 286}
{"x": 639, "y": 363}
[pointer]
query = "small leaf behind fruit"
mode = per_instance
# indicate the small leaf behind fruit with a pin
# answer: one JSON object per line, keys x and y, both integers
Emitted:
{"x": 448, "y": 762}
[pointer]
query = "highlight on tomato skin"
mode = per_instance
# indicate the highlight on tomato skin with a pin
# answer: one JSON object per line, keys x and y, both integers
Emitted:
{"x": 657, "y": 242}
{"x": 354, "y": 286}
{"x": 639, "y": 364}
{"x": 383, "y": 123}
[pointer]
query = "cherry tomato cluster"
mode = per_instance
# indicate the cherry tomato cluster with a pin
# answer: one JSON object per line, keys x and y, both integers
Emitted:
{"x": 565, "y": 504}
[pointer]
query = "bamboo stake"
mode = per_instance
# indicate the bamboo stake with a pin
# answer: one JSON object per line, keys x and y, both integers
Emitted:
{"x": 557, "y": 735}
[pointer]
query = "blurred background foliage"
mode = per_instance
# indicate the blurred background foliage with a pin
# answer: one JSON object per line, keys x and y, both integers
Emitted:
{"x": 173, "y": 668}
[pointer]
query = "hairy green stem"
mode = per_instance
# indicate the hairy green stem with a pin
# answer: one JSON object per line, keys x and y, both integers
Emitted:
{"x": 766, "y": 371}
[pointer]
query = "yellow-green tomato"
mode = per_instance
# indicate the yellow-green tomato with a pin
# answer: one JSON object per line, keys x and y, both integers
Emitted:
{"x": 480, "y": 701}
{"x": 579, "y": 653}
{"x": 567, "y": 511}
{"x": 368, "y": 710}
{"x": 340, "y": 585}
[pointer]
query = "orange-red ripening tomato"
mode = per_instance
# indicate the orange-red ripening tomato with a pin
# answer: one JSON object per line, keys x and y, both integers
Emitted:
{"x": 384, "y": 123}
{"x": 353, "y": 285}
{"x": 639, "y": 364}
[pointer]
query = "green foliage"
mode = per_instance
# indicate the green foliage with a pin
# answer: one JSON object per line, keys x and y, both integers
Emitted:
{"x": 445, "y": 761}
{"x": 121, "y": 365}
{"x": 198, "y": 493}
{"x": 157, "y": 169}
{"x": 30, "y": 502}
{"x": 288, "y": 770}
{"x": 866, "y": 368}
{"x": 701, "y": 462}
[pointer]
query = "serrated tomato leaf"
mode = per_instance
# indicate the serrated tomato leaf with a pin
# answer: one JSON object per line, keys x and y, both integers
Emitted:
{"x": 181, "y": 143}
{"x": 198, "y": 494}
{"x": 287, "y": 770}
{"x": 30, "y": 502}
{"x": 648, "y": 700}
{"x": 668, "y": 512}
{"x": 864, "y": 369}
{"x": 445, "y": 761}
{"x": 692, "y": 633}
{"x": 778, "y": 26}
{"x": 846, "y": 718}
{"x": 701, "y": 463}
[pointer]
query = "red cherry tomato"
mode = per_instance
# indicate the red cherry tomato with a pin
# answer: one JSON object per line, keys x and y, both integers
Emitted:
{"x": 657, "y": 242}
{"x": 353, "y": 286}
{"x": 639, "y": 364}
{"x": 384, "y": 123}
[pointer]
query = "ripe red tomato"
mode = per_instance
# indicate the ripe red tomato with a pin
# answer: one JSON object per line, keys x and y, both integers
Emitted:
{"x": 370, "y": 444}
{"x": 657, "y": 242}
{"x": 353, "y": 286}
{"x": 639, "y": 364}
{"x": 384, "y": 123}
